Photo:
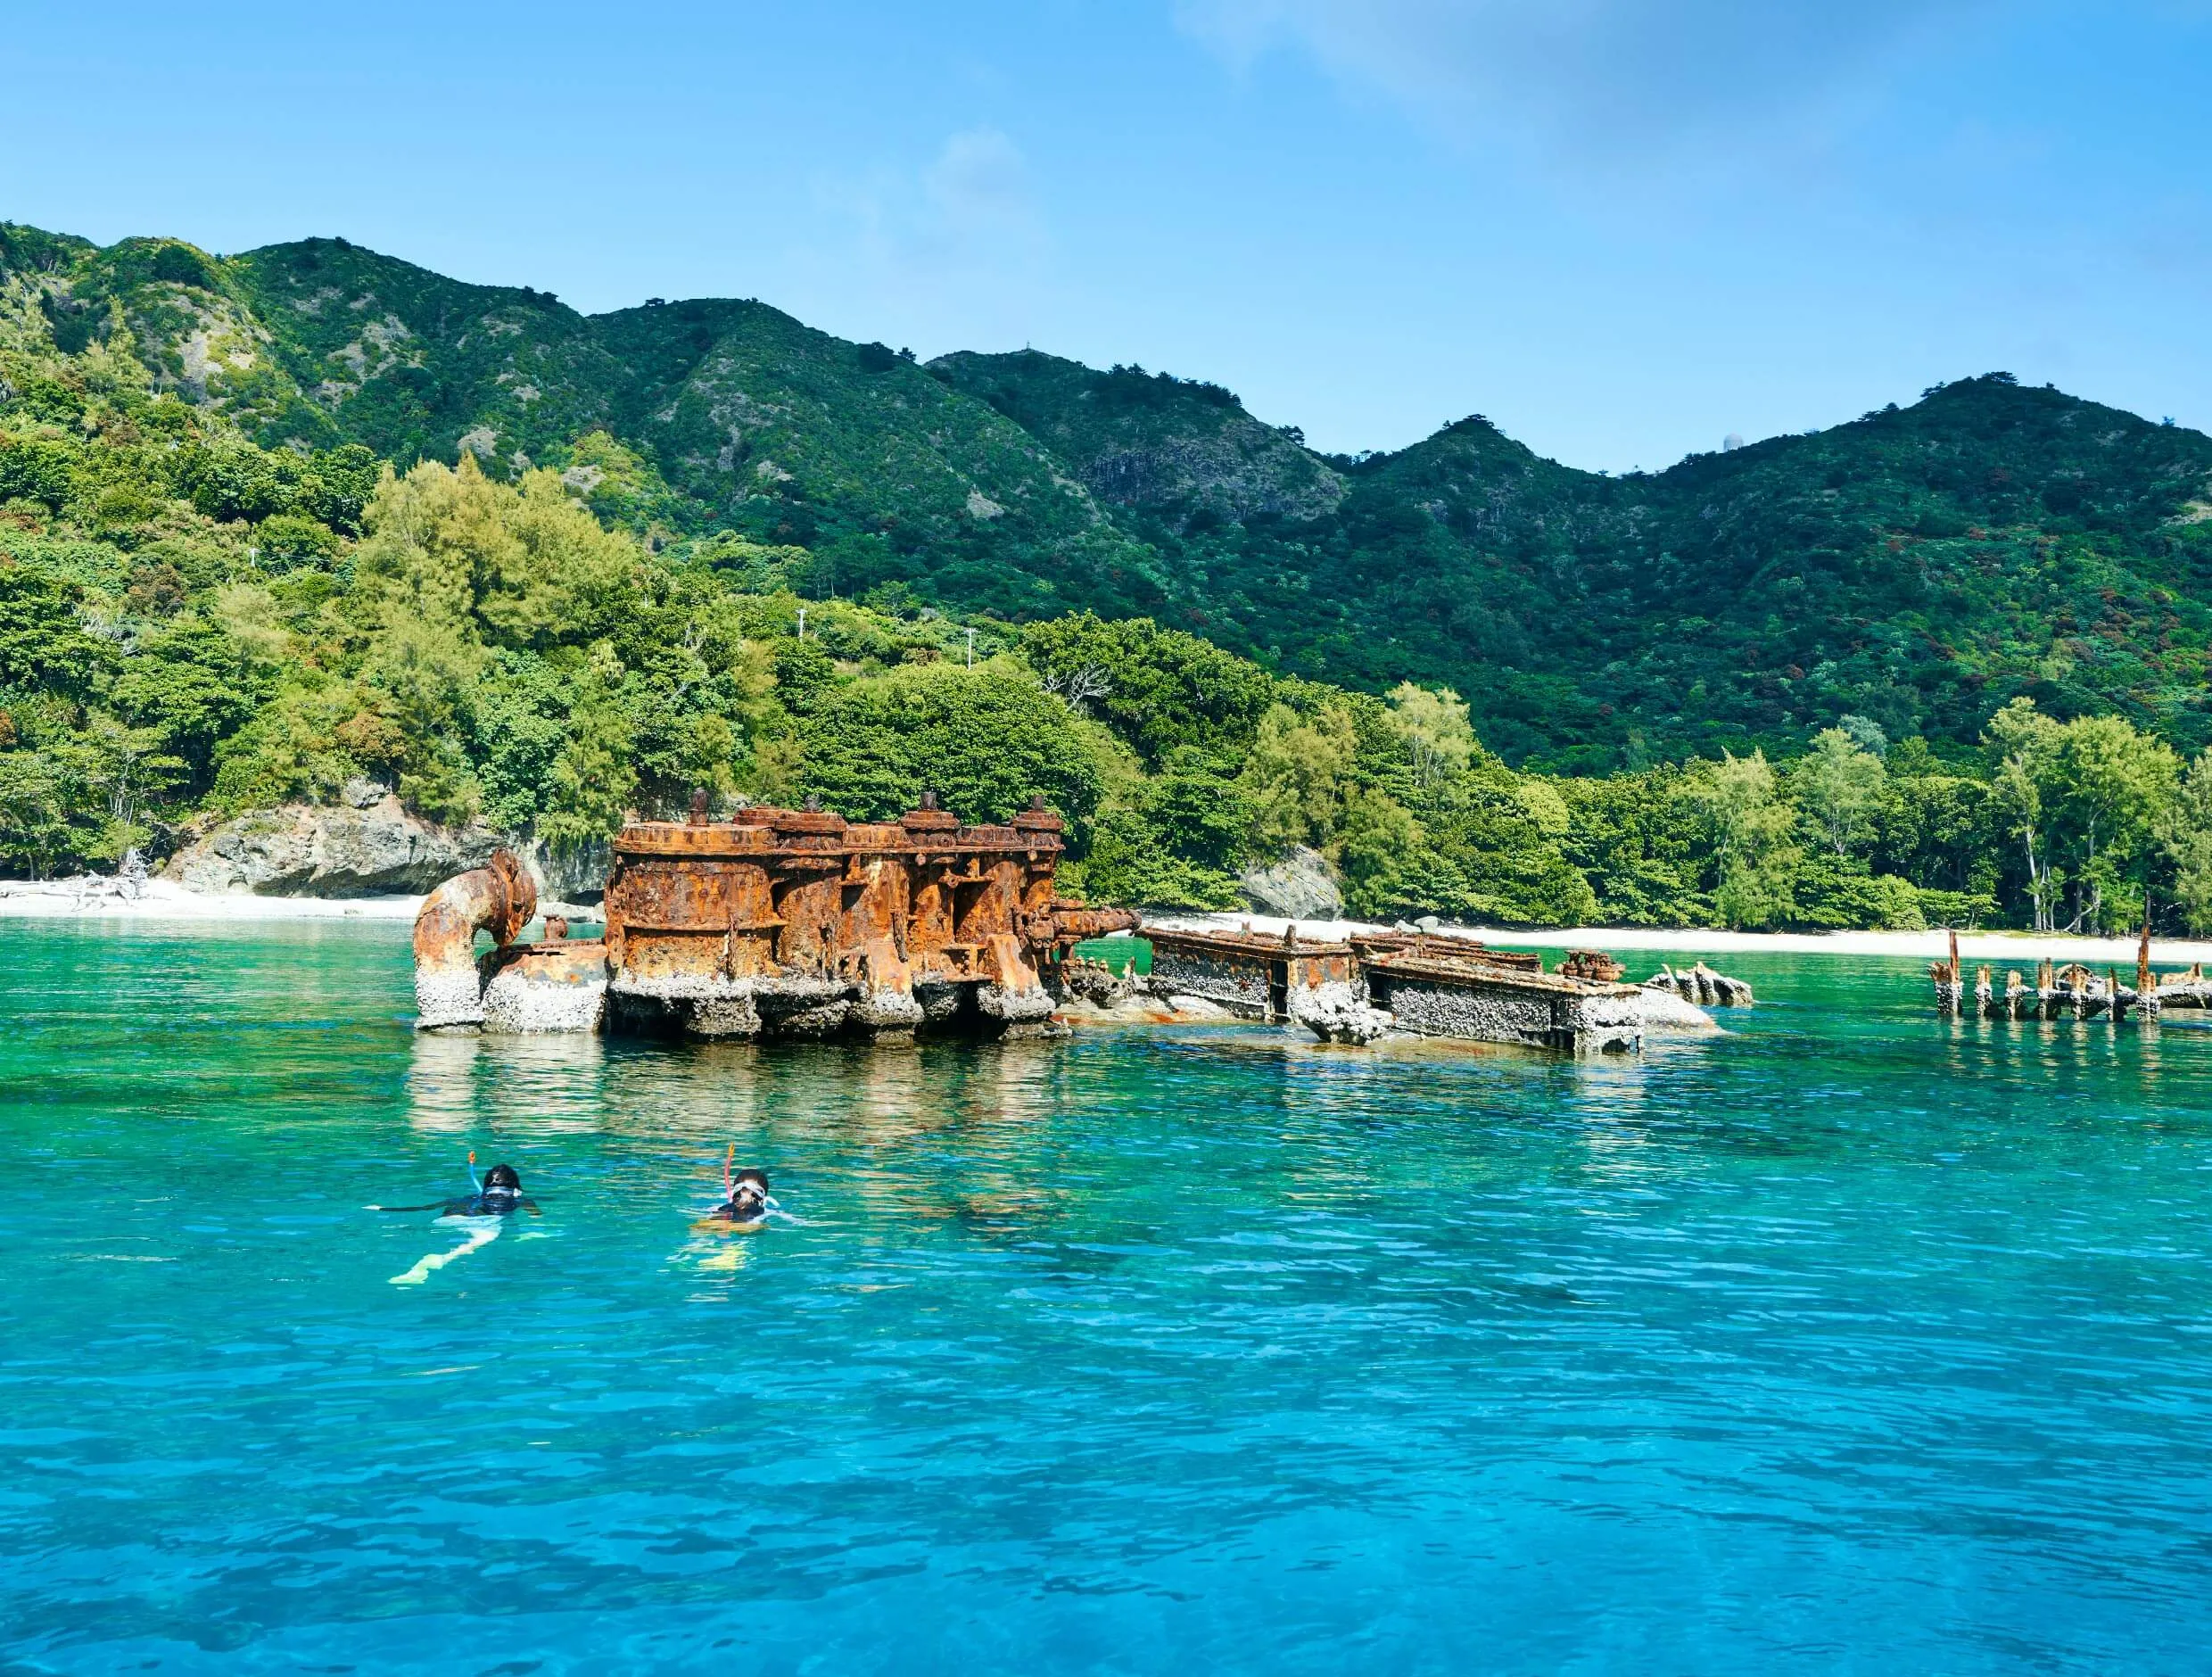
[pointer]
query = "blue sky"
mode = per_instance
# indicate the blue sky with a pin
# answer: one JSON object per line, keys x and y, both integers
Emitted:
{"x": 1622, "y": 229}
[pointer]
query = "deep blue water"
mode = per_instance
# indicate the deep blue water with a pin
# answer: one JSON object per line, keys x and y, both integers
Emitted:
{"x": 1853, "y": 1341}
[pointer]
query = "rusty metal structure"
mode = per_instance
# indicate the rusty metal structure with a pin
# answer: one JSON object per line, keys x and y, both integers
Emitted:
{"x": 1251, "y": 974}
{"x": 785, "y": 923}
{"x": 1467, "y": 992}
{"x": 498, "y": 898}
{"x": 1594, "y": 964}
{"x": 1411, "y": 983}
{"x": 782, "y": 923}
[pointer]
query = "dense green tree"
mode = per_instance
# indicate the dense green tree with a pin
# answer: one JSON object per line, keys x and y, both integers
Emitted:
{"x": 219, "y": 604}
{"x": 1440, "y": 739}
{"x": 1156, "y": 688}
{"x": 44, "y": 645}
{"x": 1300, "y": 776}
{"x": 2186, "y": 835}
{"x": 193, "y": 685}
{"x": 1838, "y": 785}
{"x": 2085, "y": 800}
{"x": 985, "y": 741}
{"x": 1750, "y": 826}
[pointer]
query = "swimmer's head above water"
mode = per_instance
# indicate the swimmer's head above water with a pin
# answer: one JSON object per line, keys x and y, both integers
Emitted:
{"x": 498, "y": 1192}
{"x": 745, "y": 1193}
{"x": 501, "y": 1183}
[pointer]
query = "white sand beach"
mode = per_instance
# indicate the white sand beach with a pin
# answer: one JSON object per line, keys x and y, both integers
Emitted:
{"x": 102, "y": 898}
{"x": 165, "y": 899}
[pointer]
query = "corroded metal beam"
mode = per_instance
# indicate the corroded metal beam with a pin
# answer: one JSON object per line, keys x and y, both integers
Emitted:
{"x": 500, "y": 898}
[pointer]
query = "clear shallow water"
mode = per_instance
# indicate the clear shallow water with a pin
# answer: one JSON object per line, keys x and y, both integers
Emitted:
{"x": 1852, "y": 1341}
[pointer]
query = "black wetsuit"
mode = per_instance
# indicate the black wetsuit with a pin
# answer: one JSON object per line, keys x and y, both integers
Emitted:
{"x": 489, "y": 1202}
{"x": 748, "y": 1204}
{"x": 483, "y": 1202}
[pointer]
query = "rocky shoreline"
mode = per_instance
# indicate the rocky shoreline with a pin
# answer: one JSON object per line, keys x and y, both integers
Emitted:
{"x": 366, "y": 857}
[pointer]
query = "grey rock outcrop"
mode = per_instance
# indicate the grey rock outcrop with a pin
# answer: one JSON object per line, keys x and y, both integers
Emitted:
{"x": 568, "y": 875}
{"x": 1338, "y": 1012}
{"x": 369, "y": 845}
{"x": 1702, "y": 985}
{"x": 1667, "y": 1013}
{"x": 1301, "y": 886}
{"x": 1242, "y": 470}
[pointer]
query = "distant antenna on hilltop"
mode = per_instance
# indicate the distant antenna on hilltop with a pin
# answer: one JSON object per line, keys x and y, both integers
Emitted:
{"x": 1731, "y": 442}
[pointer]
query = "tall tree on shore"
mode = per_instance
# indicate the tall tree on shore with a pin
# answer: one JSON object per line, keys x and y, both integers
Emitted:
{"x": 1839, "y": 785}
{"x": 2024, "y": 750}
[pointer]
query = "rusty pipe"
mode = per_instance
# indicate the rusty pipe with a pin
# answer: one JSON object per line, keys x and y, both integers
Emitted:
{"x": 499, "y": 897}
{"x": 1059, "y": 925}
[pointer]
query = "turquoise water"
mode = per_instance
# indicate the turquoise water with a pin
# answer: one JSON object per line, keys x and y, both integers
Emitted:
{"x": 1852, "y": 1341}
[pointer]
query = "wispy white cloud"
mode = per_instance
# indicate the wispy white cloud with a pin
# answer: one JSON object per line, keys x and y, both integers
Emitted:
{"x": 980, "y": 186}
{"x": 960, "y": 234}
{"x": 1603, "y": 81}
{"x": 973, "y": 206}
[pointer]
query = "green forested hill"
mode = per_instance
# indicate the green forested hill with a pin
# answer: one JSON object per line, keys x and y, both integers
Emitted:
{"x": 1918, "y": 566}
{"x": 311, "y": 522}
{"x": 1180, "y": 450}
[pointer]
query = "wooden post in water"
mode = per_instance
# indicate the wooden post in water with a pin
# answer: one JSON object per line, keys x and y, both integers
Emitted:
{"x": 2146, "y": 991}
{"x": 1950, "y": 982}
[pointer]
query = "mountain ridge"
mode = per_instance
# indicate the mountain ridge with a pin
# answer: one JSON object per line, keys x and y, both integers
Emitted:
{"x": 1919, "y": 564}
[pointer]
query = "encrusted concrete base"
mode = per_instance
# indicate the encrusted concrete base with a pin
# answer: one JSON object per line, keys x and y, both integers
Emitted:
{"x": 720, "y": 1009}
{"x": 545, "y": 987}
{"x": 1013, "y": 1007}
{"x": 718, "y": 1018}
{"x": 448, "y": 1000}
{"x": 941, "y": 1004}
{"x": 1702, "y": 985}
{"x": 1188, "y": 1007}
{"x": 888, "y": 1013}
{"x": 813, "y": 1010}
{"x": 806, "y": 1016}
{"x": 1502, "y": 1013}
{"x": 1236, "y": 982}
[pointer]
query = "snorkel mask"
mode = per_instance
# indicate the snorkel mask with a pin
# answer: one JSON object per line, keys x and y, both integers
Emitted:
{"x": 746, "y": 1188}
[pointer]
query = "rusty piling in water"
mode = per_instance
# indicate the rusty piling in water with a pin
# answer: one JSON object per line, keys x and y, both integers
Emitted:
{"x": 1949, "y": 981}
{"x": 2146, "y": 990}
{"x": 2073, "y": 990}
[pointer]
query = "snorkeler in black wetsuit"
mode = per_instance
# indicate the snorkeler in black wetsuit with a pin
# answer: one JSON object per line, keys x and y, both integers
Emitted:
{"x": 498, "y": 1194}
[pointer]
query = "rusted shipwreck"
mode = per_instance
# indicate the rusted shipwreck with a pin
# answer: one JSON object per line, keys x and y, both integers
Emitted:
{"x": 790, "y": 923}
{"x": 1360, "y": 987}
